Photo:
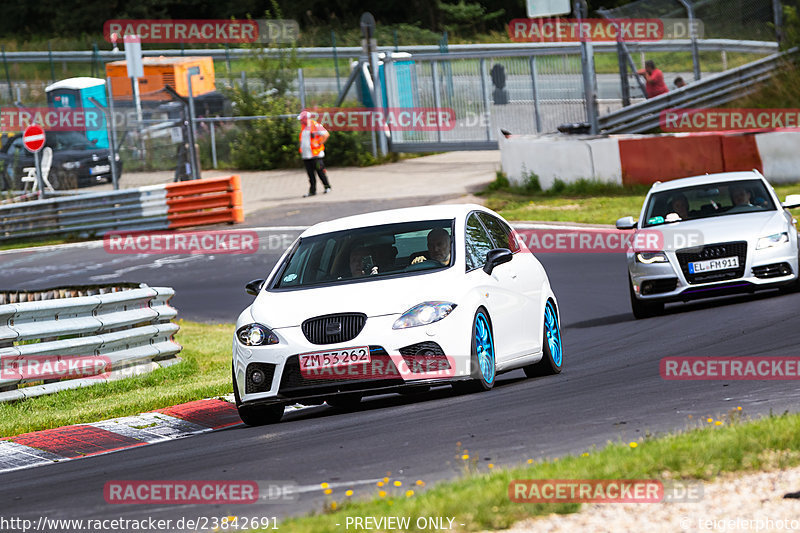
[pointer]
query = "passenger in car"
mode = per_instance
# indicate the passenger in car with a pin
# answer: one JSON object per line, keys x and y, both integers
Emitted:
{"x": 438, "y": 248}
{"x": 740, "y": 197}
{"x": 679, "y": 205}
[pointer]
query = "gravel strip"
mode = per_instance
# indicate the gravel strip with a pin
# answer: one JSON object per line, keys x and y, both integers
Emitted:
{"x": 745, "y": 503}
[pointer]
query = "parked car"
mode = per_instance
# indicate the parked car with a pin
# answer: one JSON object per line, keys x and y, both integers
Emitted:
{"x": 355, "y": 301}
{"x": 722, "y": 233}
{"x": 76, "y": 162}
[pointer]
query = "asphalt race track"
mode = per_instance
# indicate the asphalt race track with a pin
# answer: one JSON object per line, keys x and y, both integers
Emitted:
{"x": 610, "y": 390}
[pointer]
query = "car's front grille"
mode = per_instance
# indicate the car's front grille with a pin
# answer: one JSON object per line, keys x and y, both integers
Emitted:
{"x": 775, "y": 270}
{"x": 380, "y": 371}
{"x": 657, "y": 286}
{"x": 713, "y": 251}
{"x": 333, "y": 329}
{"x": 268, "y": 372}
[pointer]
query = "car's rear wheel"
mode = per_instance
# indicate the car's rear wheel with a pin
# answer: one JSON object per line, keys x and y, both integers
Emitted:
{"x": 256, "y": 415}
{"x": 553, "y": 355}
{"x": 350, "y": 400}
{"x": 643, "y": 309}
{"x": 482, "y": 357}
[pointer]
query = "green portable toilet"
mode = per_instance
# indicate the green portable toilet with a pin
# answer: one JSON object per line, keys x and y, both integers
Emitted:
{"x": 75, "y": 92}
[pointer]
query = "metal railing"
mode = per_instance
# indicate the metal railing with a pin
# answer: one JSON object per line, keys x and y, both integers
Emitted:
{"x": 715, "y": 90}
{"x": 155, "y": 207}
{"x": 128, "y": 332}
{"x": 705, "y": 45}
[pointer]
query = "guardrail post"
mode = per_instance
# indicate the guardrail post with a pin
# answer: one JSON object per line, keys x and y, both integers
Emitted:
{"x": 485, "y": 94}
{"x": 213, "y": 145}
{"x": 587, "y": 66}
{"x": 301, "y": 87}
{"x": 336, "y": 62}
{"x": 693, "y": 36}
{"x": 8, "y": 77}
{"x": 535, "y": 88}
{"x": 623, "y": 75}
{"x": 437, "y": 102}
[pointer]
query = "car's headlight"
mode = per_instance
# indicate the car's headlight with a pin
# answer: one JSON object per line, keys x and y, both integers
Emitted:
{"x": 772, "y": 240}
{"x": 71, "y": 164}
{"x": 424, "y": 314}
{"x": 256, "y": 335}
{"x": 651, "y": 257}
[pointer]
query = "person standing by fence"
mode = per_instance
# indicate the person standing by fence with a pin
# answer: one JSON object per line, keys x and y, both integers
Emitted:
{"x": 655, "y": 79}
{"x": 312, "y": 149}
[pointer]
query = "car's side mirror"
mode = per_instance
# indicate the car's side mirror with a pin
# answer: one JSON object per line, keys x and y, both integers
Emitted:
{"x": 495, "y": 257}
{"x": 626, "y": 223}
{"x": 254, "y": 286}
{"x": 792, "y": 201}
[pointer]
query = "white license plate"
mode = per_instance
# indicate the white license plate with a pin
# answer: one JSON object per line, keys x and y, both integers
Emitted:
{"x": 335, "y": 358}
{"x": 723, "y": 263}
{"x": 100, "y": 169}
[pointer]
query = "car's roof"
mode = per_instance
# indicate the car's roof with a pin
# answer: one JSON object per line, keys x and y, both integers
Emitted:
{"x": 706, "y": 179}
{"x": 392, "y": 216}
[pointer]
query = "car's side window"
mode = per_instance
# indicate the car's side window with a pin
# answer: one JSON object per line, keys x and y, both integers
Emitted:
{"x": 500, "y": 232}
{"x": 478, "y": 243}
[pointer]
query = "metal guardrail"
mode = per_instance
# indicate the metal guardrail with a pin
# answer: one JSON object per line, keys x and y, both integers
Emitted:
{"x": 712, "y": 91}
{"x": 155, "y": 207}
{"x": 126, "y": 332}
{"x": 488, "y": 50}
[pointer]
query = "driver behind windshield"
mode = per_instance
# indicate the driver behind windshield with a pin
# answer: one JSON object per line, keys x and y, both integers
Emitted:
{"x": 740, "y": 196}
{"x": 438, "y": 248}
{"x": 361, "y": 262}
{"x": 680, "y": 206}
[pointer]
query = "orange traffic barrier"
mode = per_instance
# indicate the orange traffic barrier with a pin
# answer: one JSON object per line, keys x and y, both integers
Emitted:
{"x": 663, "y": 158}
{"x": 205, "y": 201}
{"x": 740, "y": 152}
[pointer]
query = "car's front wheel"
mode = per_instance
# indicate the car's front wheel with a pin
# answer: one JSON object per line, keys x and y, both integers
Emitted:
{"x": 643, "y": 309}
{"x": 257, "y": 415}
{"x": 553, "y": 355}
{"x": 482, "y": 358}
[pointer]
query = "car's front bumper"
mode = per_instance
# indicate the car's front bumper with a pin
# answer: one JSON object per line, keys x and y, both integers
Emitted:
{"x": 669, "y": 282}
{"x": 390, "y": 368}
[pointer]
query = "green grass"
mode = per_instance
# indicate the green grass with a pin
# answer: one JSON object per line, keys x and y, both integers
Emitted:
{"x": 479, "y": 499}
{"x": 29, "y": 243}
{"x": 205, "y": 372}
{"x": 584, "y": 201}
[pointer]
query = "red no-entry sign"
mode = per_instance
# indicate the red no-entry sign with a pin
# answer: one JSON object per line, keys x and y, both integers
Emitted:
{"x": 33, "y": 138}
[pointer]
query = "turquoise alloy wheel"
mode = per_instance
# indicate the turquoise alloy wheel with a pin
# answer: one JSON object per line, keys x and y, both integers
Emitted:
{"x": 485, "y": 347}
{"x": 552, "y": 333}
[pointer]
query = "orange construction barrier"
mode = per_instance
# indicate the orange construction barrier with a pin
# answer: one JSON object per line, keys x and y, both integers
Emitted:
{"x": 205, "y": 201}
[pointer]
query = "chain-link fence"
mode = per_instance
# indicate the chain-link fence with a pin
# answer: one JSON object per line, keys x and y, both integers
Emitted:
{"x": 721, "y": 19}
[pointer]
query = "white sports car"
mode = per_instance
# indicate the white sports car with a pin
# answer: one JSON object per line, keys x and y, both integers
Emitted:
{"x": 719, "y": 233}
{"x": 391, "y": 302}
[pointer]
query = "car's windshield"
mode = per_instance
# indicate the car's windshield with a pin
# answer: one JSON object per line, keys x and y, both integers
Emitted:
{"x": 368, "y": 253}
{"x": 710, "y": 200}
{"x": 67, "y": 140}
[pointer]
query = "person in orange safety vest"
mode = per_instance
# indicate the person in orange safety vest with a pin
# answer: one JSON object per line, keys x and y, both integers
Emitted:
{"x": 312, "y": 149}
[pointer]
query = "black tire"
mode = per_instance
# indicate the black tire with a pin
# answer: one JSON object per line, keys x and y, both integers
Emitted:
{"x": 256, "y": 415}
{"x": 62, "y": 180}
{"x": 547, "y": 365}
{"x": 345, "y": 402}
{"x": 643, "y": 309}
{"x": 479, "y": 381}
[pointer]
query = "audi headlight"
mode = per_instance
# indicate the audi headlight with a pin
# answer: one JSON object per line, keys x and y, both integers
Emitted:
{"x": 69, "y": 165}
{"x": 424, "y": 314}
{"x": 772, "y": 240}
{"x": 651, "y": 257}
{"x": 256, "y": 335}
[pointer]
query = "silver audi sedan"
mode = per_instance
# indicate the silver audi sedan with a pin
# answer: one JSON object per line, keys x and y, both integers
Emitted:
{"x": 709, "y": 236}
